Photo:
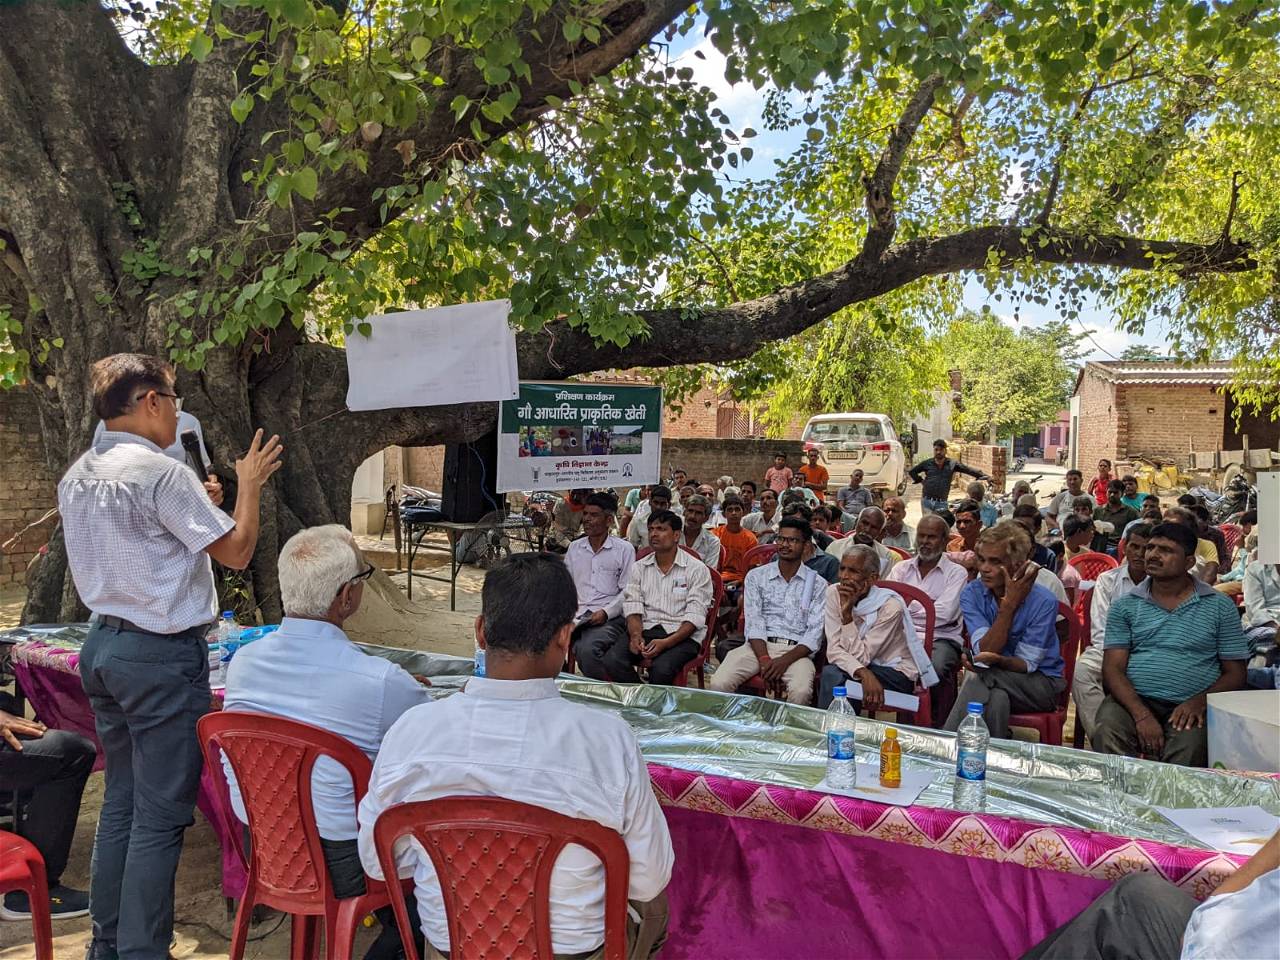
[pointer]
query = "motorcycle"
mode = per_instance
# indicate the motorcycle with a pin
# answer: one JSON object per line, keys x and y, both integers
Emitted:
{"x": 1237, "y": 497}
{"x": 1019, "y": 464}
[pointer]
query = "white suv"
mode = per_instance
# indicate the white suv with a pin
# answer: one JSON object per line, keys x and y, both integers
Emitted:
{"x": 858, "y": 441}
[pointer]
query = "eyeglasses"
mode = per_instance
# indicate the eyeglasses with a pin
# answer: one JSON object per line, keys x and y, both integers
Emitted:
{"x": 177, "y": 400}
{"x": 364, "y": 574}
{"x": 788, "y": 539}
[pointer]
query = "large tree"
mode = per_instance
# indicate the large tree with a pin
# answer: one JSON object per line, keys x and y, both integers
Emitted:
{"x": 236, "y": 183}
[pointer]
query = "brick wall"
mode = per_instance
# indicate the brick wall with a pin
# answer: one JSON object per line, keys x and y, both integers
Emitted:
{"x": 1101, "y": 426}
{"x": 705, "y": 460}
{"x": 27, "y": 485}
{"x": 1169, "y": 420}
{"x": 990, "y": 459}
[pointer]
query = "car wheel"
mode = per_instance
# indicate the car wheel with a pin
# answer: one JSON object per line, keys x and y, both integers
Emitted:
{"x": 902, "y": 487}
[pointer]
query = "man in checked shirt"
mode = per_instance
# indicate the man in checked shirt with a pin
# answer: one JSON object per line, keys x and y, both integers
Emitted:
{"x": 140, "y": 528}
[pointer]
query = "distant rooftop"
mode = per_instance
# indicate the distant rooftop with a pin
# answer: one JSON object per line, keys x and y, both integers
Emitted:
{"x": 1211, "y": 374}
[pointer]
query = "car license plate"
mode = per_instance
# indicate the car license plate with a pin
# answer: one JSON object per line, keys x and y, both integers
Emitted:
{"x": 843, "y": 454}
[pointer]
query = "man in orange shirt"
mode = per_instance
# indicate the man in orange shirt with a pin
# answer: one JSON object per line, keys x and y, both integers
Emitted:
{"x": 734, "y": 544}
{"x": 815, "y": 475}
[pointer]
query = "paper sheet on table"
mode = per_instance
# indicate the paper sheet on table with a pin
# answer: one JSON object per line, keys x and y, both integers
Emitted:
{"x": 868, "y": 786}
{"x": 464, "y": 353}
{"x": 900, "y": 701}
{"x": 1229, "y": 829}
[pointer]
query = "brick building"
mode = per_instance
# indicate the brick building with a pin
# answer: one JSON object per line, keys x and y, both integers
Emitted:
{"x": 1163, "y": 409}
{"x": 28, "y": 488}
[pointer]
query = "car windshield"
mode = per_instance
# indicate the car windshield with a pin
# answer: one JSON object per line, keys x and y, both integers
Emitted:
{"x": 833, "y": 431}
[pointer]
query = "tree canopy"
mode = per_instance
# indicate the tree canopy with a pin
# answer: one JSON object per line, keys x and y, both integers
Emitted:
{"x": 240, "y": 183}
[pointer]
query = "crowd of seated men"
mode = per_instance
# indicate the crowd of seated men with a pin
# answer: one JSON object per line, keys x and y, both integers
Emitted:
{"x": 812, "y": 615}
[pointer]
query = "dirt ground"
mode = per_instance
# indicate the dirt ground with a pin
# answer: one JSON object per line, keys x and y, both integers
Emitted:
{"x": 202, "y": 926}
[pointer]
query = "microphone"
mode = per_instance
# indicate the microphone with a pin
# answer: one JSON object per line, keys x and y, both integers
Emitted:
{"x": 191, "y": 444}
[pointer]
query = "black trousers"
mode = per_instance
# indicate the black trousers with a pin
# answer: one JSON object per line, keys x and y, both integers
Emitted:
{"x": 1141, "y": 916}
{"x": 346, "y": 879}
{"x": 619, "y": 663}
{"x": 52, "y": 769}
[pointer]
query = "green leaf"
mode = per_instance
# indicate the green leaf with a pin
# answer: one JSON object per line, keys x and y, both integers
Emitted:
{"x": 241, "y": 106}
{"x": 572, "y": 31}
{"x": 296, "y": 12}
{"x": 305, "y": 182}
{"x": 420, "y": 47}
{"x": 201, "y": 47}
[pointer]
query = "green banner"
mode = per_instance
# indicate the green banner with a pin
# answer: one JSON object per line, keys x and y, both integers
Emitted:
{"x": 583, "y": 405}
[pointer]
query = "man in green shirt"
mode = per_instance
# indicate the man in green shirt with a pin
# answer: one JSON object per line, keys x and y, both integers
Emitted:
{"x": 1169, "y": 643}
{"x": 1115, "y": 513}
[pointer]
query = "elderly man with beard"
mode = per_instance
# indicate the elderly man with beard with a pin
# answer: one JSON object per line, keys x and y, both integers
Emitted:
{"x": 870, "y": 637}
{"x": 866, "y": 532}
{"x": 932, "y": 571}
{"x": 896, "y": 531}
{"x": 1086, "y": 686}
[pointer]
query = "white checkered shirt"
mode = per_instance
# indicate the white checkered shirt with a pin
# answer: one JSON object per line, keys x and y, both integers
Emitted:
{"x": 136, "y": 525}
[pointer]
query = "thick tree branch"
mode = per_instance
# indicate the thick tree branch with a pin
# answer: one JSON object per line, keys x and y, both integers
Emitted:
{"x": 735, "y": 332}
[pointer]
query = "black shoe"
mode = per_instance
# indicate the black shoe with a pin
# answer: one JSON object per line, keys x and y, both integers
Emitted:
{"x": 64, "y": 903}
{"x": 101, "y": 950}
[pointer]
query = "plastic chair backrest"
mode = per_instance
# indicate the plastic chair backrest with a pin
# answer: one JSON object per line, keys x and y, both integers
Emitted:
{"x": 912, "y": 595}
{"x": 903, "y": 554}
{"x": 494, "y": 859}
{"x": 273, "y": 758}
{"x": 1091, "y": 563}
{"x": 1232, "y": 534}
{"x": 1075, "y": 638}
{"x": 759, "y": 555}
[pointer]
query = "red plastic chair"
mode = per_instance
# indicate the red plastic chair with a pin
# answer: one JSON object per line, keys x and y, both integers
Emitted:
{"x": 22, "y": 868}
{"x": 494, "y": 859}
{"x": 1091, "y": 563}
{"x": 1049, "y": 725}
{"x": 923, "y": 716}
{"x": 902, "y": 554}
{"x": 1083, "y": 607}
{"x": 698, "y": 662}
{"x": 273, "y": 758}
{"x": 760, "y": 554}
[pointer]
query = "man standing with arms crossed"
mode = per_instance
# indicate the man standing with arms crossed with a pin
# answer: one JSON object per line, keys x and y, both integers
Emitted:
{"x": 140, "y": 529}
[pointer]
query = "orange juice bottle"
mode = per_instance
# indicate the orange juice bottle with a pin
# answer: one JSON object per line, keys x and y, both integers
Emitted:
{"x": 890, "y": 760}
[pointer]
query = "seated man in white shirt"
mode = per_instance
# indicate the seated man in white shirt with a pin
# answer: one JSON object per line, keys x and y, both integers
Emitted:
{"x": 870, "y": 637}
{"x": 666, "y": 601}
{"x": 309, "y": 671}
{"x": 867, "y": 533}
{"x": 783, "y": 603}
{"x": 934, "y": 572}
{"x": 638, "y": 529}
{"x": 509, "y": 734}
{"x": 1111, "y": 585}
{"x": 600, "y": 565}
{"x": 695, "y": 536}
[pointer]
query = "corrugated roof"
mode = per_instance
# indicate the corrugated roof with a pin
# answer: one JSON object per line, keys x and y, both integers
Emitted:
{"x": 1211, "y": 374}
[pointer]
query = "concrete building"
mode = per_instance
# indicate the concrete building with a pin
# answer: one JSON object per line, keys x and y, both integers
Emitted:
{"x": 1162, "y": 409}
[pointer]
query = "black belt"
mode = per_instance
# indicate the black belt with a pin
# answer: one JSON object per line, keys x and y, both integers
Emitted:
{"x": 120, "y": 623}
{"x": 786, "y": 640}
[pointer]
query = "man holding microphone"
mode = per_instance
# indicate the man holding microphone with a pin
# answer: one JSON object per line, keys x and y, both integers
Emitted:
{"x": 140, "y": 528}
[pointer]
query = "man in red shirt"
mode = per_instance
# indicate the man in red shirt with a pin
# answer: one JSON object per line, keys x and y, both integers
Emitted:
{"x": 1098, "y": 485}
{"x": 815, "y": 475}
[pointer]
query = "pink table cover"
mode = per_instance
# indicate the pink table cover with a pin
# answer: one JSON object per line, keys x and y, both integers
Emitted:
{"x": 764, "y": 870}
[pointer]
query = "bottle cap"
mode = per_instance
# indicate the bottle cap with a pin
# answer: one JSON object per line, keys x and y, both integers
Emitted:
{"x": 975, "y": 707}
{"x": 839, "y": 691}
{"x": 891, "y": 734}
{"x": 228, "y": 614}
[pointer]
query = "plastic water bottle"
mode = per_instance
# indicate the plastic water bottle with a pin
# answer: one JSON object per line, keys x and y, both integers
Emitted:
{"x": 970, "y": 789}
{"x": 479, "y": 668}
{"x": 218, "y": 643}
{"x": 228, "y": 644}
{"x": 842, "y": 735}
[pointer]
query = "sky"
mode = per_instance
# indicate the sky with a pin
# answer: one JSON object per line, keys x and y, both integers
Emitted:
{"x": 745, "y": 105}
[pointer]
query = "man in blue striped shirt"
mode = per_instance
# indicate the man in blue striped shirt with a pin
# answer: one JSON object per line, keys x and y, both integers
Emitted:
{"x": 1169, "y": 643}
{"x": 1014, "y": 661}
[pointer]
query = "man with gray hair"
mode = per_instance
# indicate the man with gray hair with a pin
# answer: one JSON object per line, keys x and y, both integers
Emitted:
{"x": 870, "y": 638}
{"x": 866, "y": 532}
{"x": 310, "y": 672}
